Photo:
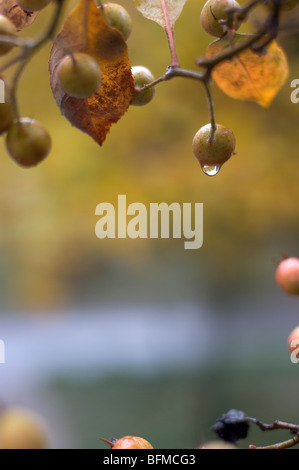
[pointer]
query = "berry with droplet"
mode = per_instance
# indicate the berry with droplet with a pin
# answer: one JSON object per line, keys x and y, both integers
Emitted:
{"x": 7, "y": 28}
{"x": 214, "y": 152}
{"x": 79, "y": 75}
{"x": 33, "y": 5}
{"x": 21, "y": 429}
{"x": 287, "y": 275}
{"x": 212, "y": 12}
{"x": 118, "y": 17}
{"x": 129, "y": 442}
{"x": 28, "y": 142}
{"x": 142, "y": 76}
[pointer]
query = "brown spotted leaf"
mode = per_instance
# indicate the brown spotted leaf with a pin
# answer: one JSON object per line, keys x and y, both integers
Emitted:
{"x": 95, "y": 37}
{"x": 17, "y": 16}
{"x": 250, "y": 75}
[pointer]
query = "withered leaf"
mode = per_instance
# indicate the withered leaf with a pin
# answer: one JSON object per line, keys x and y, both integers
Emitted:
{"x": 250, "y": 75}
{"x": 153, "y": 10}
{"x": 17, "y": 16}
{"x": 86, "y": 30}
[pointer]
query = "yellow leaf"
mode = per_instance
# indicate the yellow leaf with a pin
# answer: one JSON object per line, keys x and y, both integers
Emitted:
{"x": 250, "y": 75}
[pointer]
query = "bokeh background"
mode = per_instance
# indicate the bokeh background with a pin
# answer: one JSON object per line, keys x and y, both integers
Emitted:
{"x": 114, "y": 337}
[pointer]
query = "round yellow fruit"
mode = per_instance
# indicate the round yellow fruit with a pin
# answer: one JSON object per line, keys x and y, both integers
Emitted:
{"x": 21, "y": 429}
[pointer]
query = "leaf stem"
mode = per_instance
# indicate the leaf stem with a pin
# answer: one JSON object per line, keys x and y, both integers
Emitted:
{"x": 170, "y": 36}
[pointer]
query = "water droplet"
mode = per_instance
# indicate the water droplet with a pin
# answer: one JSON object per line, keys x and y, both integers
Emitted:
{"x": 211, "y": 170}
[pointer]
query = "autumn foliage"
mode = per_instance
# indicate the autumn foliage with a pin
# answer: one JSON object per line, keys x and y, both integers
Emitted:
{"x": 241, "y": 66}
{"x": 250, "y": 75}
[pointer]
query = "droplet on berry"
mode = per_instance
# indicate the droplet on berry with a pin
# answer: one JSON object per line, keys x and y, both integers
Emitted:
{"x": 211, "y": 170}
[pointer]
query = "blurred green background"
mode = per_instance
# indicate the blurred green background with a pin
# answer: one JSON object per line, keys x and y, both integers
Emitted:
{"x": 52, "y": 264}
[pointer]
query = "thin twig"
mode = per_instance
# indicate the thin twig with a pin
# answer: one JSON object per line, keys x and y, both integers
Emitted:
{"x": 294, "y": 428}
{"x": 280, "y": 445}
{"x": 29, "y": 49}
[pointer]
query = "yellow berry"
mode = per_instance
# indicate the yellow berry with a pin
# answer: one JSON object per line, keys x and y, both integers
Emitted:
{"x": 21, "y": 429}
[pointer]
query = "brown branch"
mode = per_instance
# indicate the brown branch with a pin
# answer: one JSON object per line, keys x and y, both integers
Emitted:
{"x": 294, "y": 428}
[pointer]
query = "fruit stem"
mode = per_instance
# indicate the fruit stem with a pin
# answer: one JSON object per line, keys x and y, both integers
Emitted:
{"x": 110, "y": 443}
{"x": 211, "y": 110}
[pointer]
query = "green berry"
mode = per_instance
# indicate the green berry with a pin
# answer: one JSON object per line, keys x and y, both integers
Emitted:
{"x": 79, "y": 75}
{"x": 118, "y": 17}
{"x": 212, "y": 12}
{"x": 142, "y": 76}
{"x": 7, "y": 28}
{"x": 28, "y": 142}
{"x": 213, "y": 152}
{"x": 33, "y": 5}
